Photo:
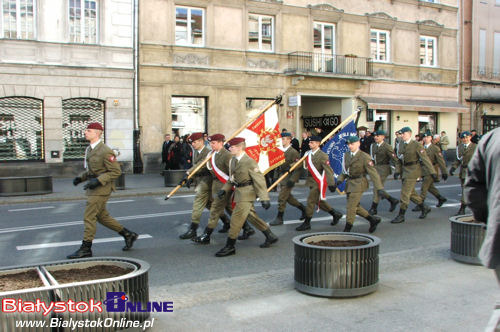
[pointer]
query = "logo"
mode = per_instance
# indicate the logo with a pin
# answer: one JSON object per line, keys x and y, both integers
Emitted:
{"x": 267, "y": 139}
{"x": 119, "y": 302}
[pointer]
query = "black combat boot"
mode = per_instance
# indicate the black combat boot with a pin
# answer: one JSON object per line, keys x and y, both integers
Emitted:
{"x": 416, "y": 208}
{"x": 303, "y": 209}
{"x": 373, "y": 210}
{"x": 441, "y": 201}
{"x": 228, "y": 249}
{"x": 347, "y": 227}
{"x": 394, "y": 202}
{"x": 270, "y": 238}
{"x": 336, "y": 217}
{"x": 191, "y": 232}
{"x": 374, "y": 221}
{"x": 227, "y": 224}
{"x": 84, "y": 251}
{"x": 129, "y": 237}
{"x": 425, "y": 211}
{"x": 203, "y": 238}
{"x": 400, "y": 217}
{"x": 461, "y": 211}
{"x": 305, "y": 225}
{"x": 278, "y": 221}
{"x": 247, "y": 231}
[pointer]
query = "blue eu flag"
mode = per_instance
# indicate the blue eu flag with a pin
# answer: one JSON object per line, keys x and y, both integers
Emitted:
{"x": 335, "y": 149}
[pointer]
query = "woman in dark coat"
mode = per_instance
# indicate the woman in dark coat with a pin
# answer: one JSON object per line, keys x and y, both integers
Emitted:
{"x": 175, "y": 153}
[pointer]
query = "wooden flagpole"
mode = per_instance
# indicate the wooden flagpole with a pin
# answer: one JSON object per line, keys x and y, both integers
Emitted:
{"x": 276, "y": 101}
{"x": 340, "y": 126}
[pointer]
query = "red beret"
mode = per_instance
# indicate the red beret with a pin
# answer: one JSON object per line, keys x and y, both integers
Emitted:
{"x": 236, "y": 140}
{"x": 195, "y": 136}
{"x": 95, "y": 125}
{"x": 216, "y": 137}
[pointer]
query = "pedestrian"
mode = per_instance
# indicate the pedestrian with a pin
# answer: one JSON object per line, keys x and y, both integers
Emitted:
{"x": 474, "y": 138}
{"x": 205, "y": 140}
{"x": 249, "y": 183}
{"x": 358, "y": 164}
{"x": 464, "y": 153}
{"x": 411, "y": 156}
{"x": 482, "y": 194}
{"x": 366, "y": 140}
{"x": 304, "y": 147}
{"x": 164, "y": 151}
{"x": 436, "y": 140}
{"x": 437, "y": 160}
{"x": 294, "y": 142}
{"x": 319, "y": 176}
{"x": 203, "y": 182}
{"x": 445, "y": 141}
{"x": 187, "y": 153}
{"x": 101, "y": 170}
{"x": 175, "y": 154}
{"x": 285, "y": 195}
{"x": 382, "y": 155}
{"x": 397, "y": 140}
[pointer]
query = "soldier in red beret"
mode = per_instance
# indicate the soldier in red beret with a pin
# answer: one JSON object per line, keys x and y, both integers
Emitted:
{"x": 101, "y": 170}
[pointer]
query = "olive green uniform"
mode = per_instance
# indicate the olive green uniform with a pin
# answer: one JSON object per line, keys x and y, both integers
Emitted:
{"x": 249, "y": 184}
{"x": 464, "y": 155}
{"x": 437, "y": 160}
{"x": 412, "y": 158}
{"x": 356, "y": 167}
{"x": 203, "y": 182}
{"x": 382, "y": 155}
{"x": 222, "y": 159}
{"x": 321, "y": 161}
{"x": 101, "y": 164}
{"x": 285, "y": 195}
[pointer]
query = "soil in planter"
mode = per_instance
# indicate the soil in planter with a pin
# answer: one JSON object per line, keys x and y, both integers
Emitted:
{"x": 338, "y": 243}
{"x": 90, "y": 273}
{"x": 470, "y": 220}
{"x": 22, "y": 280}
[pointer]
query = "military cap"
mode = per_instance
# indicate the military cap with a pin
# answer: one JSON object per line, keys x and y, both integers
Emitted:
{"x": 94, "y": 125}
{"x": 352, "y": 139}
{"x": 235, "y": 141}
{"x": 216, "y": 137}
{"x": 315, "y": 138}
{"x": 380, "y": 132}
{"x": 195, "y": 136}
{"x": 405, "y": 129}
{"x": 285, "y": 134}
{"x": 427, "y": 133}
{"x": 465, "y": 133}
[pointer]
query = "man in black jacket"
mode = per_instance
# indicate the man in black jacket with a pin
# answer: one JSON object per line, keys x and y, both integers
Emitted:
{"x": 164, "y": 151}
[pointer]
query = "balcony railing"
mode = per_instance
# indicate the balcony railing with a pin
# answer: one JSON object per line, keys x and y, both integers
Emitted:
{"x": 309, "y": 62}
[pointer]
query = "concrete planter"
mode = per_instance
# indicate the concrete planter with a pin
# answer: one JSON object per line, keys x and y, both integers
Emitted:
{"x": 336, "y": 271}
{"x": 466, "y": 239}
{"x": 120, "y": 182}
{"x": 25, "y": 185}
{"x": 134, "y": 284}
{"x": 173, "y": 177}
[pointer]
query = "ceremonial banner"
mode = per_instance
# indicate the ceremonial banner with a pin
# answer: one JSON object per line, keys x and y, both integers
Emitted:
{"x": 263, "y": 140}
{"x": 336, "y": 147}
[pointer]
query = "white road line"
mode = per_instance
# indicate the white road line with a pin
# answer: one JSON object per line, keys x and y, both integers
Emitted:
{"x": 124, "y": 201}
{"x": 35, "y": 208}
{"x": 73, "y": 243}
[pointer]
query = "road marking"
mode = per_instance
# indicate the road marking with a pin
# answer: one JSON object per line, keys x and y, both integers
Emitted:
{"x": 124, "y": 201}
{"x": 35, "y": 208}
{"x": 73, "y": 243}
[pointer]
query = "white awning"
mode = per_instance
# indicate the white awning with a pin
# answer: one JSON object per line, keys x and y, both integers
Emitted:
{"x": 413, "y": 105}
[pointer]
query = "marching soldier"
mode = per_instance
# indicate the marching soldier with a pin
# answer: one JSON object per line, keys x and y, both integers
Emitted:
{"x": 249, "y": 183}
{"x": 357, "y": 164}
{"x": 203, "y": 180}
{"x": 436, "y": 158}
{"x": 285, "y": 195}
{"x": 101, "y": 170}
{"x": 412, "y": 154}
{"x": 381, "y": 154}
{"x": 465, "y": 151}
{"x": 320, "y": 174}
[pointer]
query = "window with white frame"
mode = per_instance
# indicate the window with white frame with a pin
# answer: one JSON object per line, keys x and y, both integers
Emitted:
{"x": 482, "y": 52}
{"x": 83, "y": 21}
{"x": 189, "y": 26}
{"x": 380, "y": 45}
{"x": 261, "y": 32}
{"x": 324, "y": 47}
{"x": 496, "y": 54}
{"x": 18, "y": 19}
{"x": 428, "y": 51}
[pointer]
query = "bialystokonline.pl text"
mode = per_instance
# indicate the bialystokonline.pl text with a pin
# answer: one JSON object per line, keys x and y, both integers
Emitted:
{"x": 75, "y": 324}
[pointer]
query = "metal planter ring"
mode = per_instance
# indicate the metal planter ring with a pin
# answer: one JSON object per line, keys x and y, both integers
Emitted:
{"x": 336, "y": 271}
{"x": 466, "y": 239}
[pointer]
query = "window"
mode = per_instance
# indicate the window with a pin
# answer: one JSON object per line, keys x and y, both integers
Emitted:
{"x": 324, "y": 47}
{"x": 496, "y": 55}
{"x": 380, "y": 45}
{"x": 260, "y": 32}
{"x": 83, "y": 21}
{"x": 18, "y": 19}
{"x": 189, "y": 115}
{"x": 189, "y": 25}
{"x": 482, "y": 52}
{"x": 428, "y": 50}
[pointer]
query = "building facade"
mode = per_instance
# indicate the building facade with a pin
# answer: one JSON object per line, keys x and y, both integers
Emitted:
{"x": 395, "y": 60}
{"x": 64, "y": 63}
{"x": 480, "y": 64}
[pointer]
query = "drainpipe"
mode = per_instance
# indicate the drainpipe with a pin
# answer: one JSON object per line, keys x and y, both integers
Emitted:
{"x": 138, "y": 165}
